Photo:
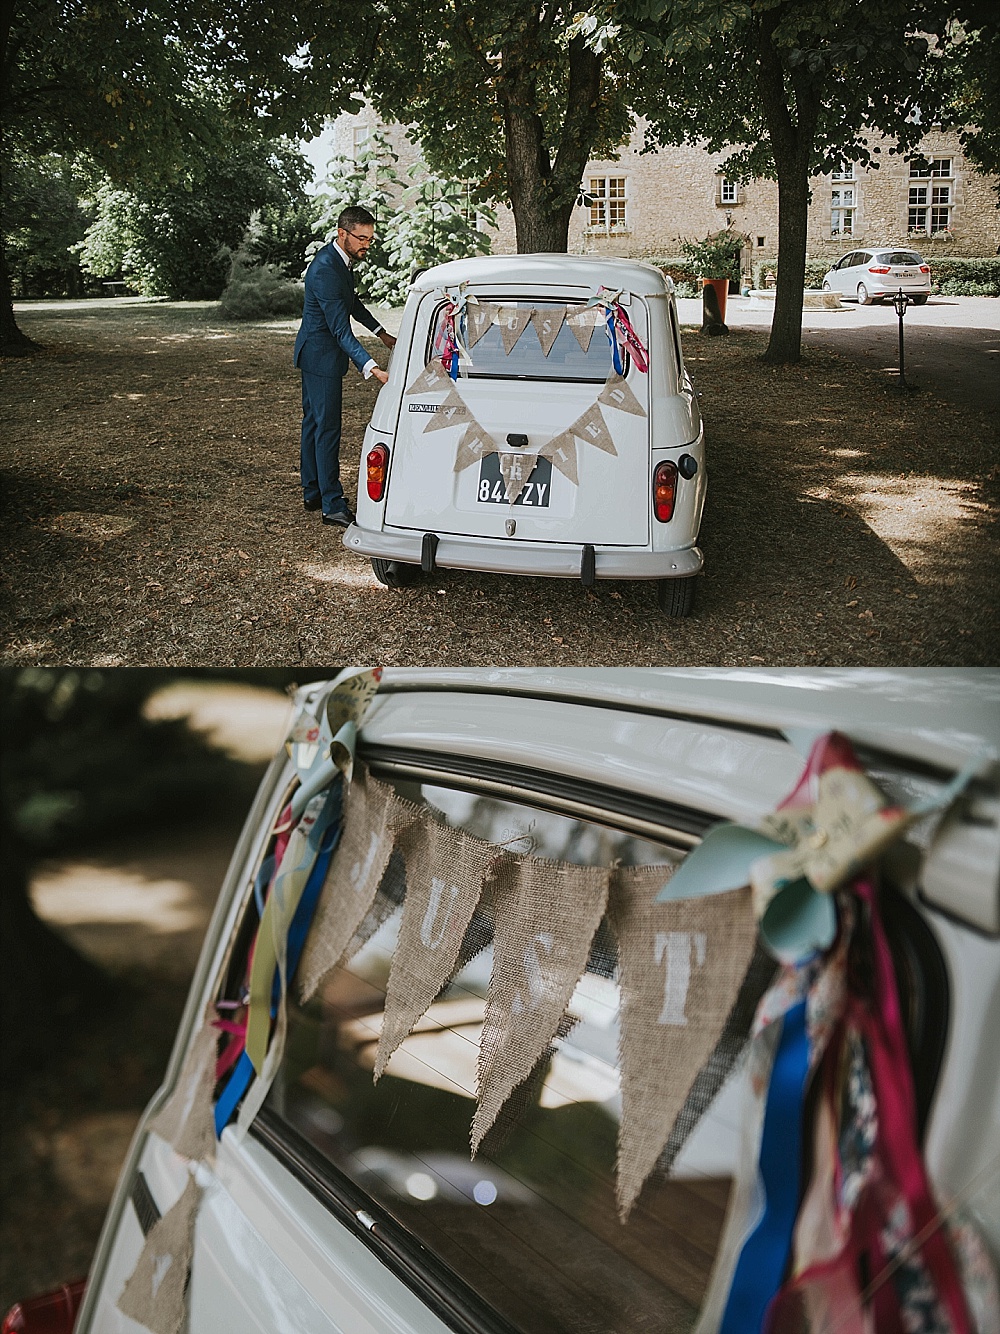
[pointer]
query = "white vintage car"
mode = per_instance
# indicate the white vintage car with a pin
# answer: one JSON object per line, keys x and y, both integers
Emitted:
{"x": 517, "y": 435}
{"x": 495, "y": 934}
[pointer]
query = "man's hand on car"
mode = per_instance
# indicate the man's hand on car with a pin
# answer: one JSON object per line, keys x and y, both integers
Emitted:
{"x": 380, "y": 375}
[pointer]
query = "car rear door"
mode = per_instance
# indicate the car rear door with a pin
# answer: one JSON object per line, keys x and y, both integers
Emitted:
{"x": 594, "y": 489}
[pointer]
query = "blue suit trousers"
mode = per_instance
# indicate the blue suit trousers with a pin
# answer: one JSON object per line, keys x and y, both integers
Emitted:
{"x": 320, "y": 456}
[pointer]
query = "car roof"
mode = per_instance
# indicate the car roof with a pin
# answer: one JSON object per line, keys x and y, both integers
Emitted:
{"x": 935, "y": 716}
{"x": 548, "y": 270}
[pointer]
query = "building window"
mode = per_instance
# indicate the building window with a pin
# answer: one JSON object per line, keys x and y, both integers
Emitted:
{"x": 930, "y": 205}
{"x": 729, "y": 192}
{"x": 842, "y": 206}
{"x": 362, "y": 133}
{"x": 607, "y": 204}
{"x": 845, "y": 172}
{"x": 760, "y": 243}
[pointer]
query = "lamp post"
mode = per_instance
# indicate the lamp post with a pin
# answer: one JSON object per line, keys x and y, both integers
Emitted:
{"x": 901, "y": 301}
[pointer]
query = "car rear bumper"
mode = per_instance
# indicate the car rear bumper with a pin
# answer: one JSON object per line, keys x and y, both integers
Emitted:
{"x": 558, "y": 561}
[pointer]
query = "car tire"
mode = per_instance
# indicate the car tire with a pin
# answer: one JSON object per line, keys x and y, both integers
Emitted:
{"x": 863, "y": 297}
{"x": 675, "y": 597}
{"x": 395, "y": 573}
{"x": 918, "y": 300}
{"x": 827, "y": 287}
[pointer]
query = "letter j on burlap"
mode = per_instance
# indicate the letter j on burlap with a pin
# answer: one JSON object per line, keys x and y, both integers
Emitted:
{"x": 547, "y": 913}
{"x": 373, "y": 818}
{"x": 681, "y": 965}
{"x": 445, "y": 870}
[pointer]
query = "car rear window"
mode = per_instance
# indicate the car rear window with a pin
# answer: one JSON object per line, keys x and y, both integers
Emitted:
{"x": 530, "y": 1225}
{"x": 566, "y": 360}
{"x": 899, "y": 257}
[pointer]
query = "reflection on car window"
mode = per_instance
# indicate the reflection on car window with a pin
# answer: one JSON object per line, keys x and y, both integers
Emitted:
{"x": 531, "y": 1223}
{"x": 566, "y": 359}
{"x": 899, "y": 257}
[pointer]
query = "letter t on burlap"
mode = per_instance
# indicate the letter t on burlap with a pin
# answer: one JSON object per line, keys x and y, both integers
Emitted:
{"x": 681, "y": 964}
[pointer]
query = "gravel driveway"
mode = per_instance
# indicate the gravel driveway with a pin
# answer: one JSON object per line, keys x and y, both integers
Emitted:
{"x": 153, "y": 514}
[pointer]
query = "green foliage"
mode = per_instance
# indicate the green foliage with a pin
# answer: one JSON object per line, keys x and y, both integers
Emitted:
{"x": 44, "y": 220}
{"x": 255, "y": 290}
{"x": 425, "y": 222}
{"x": 177, "y": 241}
{"x": 953, "y": 276}
{"x": 717, "y": 256}
{"x": 816, "y": 270}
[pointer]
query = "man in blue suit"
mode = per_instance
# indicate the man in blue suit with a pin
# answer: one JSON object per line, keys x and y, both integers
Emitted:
{"x": 323, "y": 348}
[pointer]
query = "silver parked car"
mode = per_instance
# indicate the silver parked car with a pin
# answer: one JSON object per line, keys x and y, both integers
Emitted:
{"x": 495, "y": 939}
{"x": 878, "y": 272}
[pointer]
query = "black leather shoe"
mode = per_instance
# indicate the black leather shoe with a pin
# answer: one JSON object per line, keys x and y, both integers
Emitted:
{"x": 311, "y": 505}
{"x": 340, "y": 518}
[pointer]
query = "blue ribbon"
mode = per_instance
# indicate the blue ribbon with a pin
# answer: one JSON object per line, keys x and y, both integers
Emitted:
{"x": 243, "y": 1071}
{"x": 760, "y": 1269}
{"x": 616, "y": 356}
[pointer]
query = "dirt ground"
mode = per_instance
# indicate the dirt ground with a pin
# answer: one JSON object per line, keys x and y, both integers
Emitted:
{"x": 152, "y": 514}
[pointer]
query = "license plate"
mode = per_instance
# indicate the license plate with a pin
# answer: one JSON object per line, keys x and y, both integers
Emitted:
{"x": 905, "y": 273}
{"x": 535, "y": 492}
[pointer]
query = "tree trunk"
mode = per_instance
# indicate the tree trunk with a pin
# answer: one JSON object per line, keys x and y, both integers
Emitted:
{"x": 543, "y": 191}
{"x": 785, "y": 343}
{"x": 13, "y": 343}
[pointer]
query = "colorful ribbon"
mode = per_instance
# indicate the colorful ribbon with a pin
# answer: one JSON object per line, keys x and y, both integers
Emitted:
{"x": 618, "y": 327}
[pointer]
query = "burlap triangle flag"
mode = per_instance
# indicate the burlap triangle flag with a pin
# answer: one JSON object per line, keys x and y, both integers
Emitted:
{"x": 154, "y": 1294}
{"x": 681, "y": 965}
{"x": 431, "y": 379}
{"x": 373, "y": 818}
{"x": 479, "y": 318}
{"x": 472, "y": 445}
{"x": 445, "y": 870}
{"x": 513, "y": 321}
{"x": 592, "y": 428}
{"x": 618, "y": 394}
{"x": 515, "y": 469}
{"x": 187, "y": 1120}
{"x": 583, "y": 321}
{"x": 547, "y": 914}
{"x": 548, "y": 322}
{"x": 452, "y": 412}
{"x": 561, "y": 449}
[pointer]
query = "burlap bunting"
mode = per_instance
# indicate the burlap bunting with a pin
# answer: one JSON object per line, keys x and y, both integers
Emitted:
{"x": 591, "y": 427}
{"x": 373, "y": 818}
{"x": 154, "y": 1294}
{"x": 681, "y": 967}
{"x": 480, "y": 317}
{"x": 474, "y": 443}
{"x": 618, "y": 394}
{"x": 548, "y": 321}
{"x": 454, "y": 411}
{"x": 547, "y": 913}
{"x": 431, "y": 379}
{"x": 513, "y": 321}
{"x": 561, "y": 449}
{"x": 186, "y": 1120}
{"x": 583, "y": 321}
{"x": 515, "y": 469}
{"x": 445, "y": 870}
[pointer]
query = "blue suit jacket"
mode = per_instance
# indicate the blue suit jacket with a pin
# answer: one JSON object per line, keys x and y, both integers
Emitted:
{"x": 325, "y": 339}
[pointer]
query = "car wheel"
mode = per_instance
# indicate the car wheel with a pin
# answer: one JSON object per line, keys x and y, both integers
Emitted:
{"x": 918, "y": 300}
{"x": 827, "y": 287}
{"x": 395, "y": 573}
{"x": 675, "y": 597}
{"x": 863, "y": 298}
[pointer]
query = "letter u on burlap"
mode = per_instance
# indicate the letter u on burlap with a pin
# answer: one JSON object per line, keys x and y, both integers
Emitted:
{"x": 546, "y": 915}
{"x": 445, "y": 870}
{"x": 681, "y": 964}
{"x": 373, "y": 819}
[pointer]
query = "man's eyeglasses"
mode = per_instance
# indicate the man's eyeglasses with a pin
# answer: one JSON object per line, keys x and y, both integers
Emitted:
{"x": 366, "y": 240}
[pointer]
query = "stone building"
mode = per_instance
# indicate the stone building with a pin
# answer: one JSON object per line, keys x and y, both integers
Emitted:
{"x": 647, "y": 203}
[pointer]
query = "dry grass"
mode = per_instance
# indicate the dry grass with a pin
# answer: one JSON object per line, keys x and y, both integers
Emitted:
{"x": 153, "y": 514}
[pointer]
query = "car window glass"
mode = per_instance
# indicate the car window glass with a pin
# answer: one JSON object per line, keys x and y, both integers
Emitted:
{"x": 530, "y": 1225}
{"x": 900, "y": 257}
{"x": 566, "y": 359}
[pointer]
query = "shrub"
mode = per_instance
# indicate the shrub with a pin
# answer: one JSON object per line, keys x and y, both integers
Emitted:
{"x": 954, "y": 276}
{"x": 259, "y": 291}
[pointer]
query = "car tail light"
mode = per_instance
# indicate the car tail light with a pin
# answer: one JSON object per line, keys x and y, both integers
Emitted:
{"x": 664, "y": 491}
{"x": 873, "y": 269}
{"x": 52, "y": 1313}
{"x": 925, "y": 268}
{"x": 377, "y": 464}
